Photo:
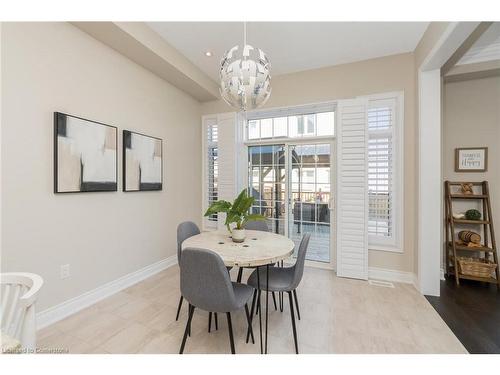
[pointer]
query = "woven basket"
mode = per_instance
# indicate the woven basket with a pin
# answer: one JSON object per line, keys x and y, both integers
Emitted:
{"x": 476, "y": 267}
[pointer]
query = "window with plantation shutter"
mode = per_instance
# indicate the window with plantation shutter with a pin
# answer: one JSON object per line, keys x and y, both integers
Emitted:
{"x": 383, "y": 169}
{"x": 212, "y": 166}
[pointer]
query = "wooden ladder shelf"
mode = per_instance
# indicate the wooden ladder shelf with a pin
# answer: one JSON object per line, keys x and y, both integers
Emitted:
{"x": 488, "y": 249}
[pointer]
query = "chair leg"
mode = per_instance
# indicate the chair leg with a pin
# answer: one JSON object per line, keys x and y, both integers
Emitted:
{"x": 179, "y": 308}
{"x": 209, "y": 321}
{"x": 274, "y": 300}
{"x": 290, "y": 299}
{"x": 249, "y": 320}
{"x": 240, "y": 275}
{"x": 216, "y": 322}
{"x": 258, "y": 303}
{"x": 230, "y": 328}
{"x": 251, "y": 312}
{"x": 296, "y": 303}
{"x": 188, "y": 324}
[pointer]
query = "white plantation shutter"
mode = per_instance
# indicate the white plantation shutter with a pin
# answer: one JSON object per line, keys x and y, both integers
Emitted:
{"x": 352, "y": 189}
{"x": 227, "y": 160}
{"x": 384, "y": 190}
{"x": 211, "y": 167}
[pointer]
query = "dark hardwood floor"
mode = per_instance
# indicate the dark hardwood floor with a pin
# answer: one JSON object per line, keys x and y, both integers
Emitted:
{"x": 472, "y": 311}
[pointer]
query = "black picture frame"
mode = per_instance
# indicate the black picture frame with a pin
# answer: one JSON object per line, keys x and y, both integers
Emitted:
{"x": 60, "y": 127}
{"x": 126, "y": 144}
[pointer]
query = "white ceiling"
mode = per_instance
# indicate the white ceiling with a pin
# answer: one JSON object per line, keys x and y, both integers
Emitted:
{"x": 292, "y": 46}
{"x": 486, "y": 48}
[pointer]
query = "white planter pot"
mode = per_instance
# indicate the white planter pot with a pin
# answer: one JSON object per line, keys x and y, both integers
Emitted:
{"x": 238, "y": 235}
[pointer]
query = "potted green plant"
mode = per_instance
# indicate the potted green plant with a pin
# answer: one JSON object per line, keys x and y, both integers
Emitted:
{"x": 237, "y": 212}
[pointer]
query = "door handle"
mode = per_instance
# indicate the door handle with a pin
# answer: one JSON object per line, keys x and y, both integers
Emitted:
{"x": 331, "y": 203}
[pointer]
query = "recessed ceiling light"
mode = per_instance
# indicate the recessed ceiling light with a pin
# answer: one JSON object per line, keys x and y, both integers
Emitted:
{"x": 208, "y": 54}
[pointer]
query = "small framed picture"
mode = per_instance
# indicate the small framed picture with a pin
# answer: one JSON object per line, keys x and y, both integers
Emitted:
{"x": 85, "y": 155}
{"x": 471, "y": 159}
{"x": 142, "y": 162}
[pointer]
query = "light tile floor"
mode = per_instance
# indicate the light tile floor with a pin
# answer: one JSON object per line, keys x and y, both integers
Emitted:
{"x": 338, "y": 316}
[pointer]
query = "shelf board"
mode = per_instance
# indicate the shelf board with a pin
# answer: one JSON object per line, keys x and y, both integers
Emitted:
{"x": 492, "y": 280}
{"x": 485, "y": 279}
{"x": 482, "y": 248}
{"x": 468, "y": 196}
{"x": 465, "y": 221}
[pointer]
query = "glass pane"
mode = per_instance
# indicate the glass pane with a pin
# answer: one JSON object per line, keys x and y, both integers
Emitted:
{"x": 279, "y": 156}
{"x": 323, "y": 175}
{"x": 266, "y": 128}
{"x": 293, "y": 126}
{"x": 309, "y": 127}
{"x": 255, "y": 177}
{"x": 254, "y": 156}
{"x": 266, "y": 155}
{"x": 310, "y": 193}
{"x": 253, "y": 129}
{"x": 308, "y": 175}
{"x": 280, "y": 127}
{"x": 307, "y": 154}
{"x": 323, "y": 155}
{"x": 268, "y": 174}
{"x": 325, "y": 123}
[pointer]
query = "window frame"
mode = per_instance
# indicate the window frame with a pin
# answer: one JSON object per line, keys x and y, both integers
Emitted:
{"x": 300, "y": 110}
{"x": 395, "y": 242}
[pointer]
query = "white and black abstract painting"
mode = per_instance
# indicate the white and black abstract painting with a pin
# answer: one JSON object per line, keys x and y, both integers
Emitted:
{"x": 142, "y": 162}
{"x": 85, "y": 155}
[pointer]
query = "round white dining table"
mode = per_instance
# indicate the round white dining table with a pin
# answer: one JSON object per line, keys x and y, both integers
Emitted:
{"x": 260, "y": 249}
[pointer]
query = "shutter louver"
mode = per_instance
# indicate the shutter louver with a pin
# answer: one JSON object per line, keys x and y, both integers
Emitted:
{"x": 227, "y": 178}
{"x": 381, "y": 119}
{"x": 212, "y": 165}
{"x": 352, "y": 189}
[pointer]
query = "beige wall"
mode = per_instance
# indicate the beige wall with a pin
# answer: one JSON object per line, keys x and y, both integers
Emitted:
{"x": 49, "y": 67}
{"x": 392, "y": 73}
{"x": 472, "y": 119}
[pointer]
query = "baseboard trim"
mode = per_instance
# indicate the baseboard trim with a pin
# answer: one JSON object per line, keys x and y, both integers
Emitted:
{"x": 73, "y": 305}
{"x": 390, "y": 275}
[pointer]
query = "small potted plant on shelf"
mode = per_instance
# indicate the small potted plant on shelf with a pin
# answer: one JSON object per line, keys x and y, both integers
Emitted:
{"x": 237, "y": 213}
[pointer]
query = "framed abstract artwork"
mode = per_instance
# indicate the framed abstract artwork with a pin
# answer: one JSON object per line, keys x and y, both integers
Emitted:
{"x": 85, "y": 155}
{"x": 471, "y": 159}
{"x": 142, "y": 162}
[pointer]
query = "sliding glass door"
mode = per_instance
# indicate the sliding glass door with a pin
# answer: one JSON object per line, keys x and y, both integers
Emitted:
{"x": 310, "y": 181}
{"x": 267, "y": 184}
{"x": 291, "y": 184}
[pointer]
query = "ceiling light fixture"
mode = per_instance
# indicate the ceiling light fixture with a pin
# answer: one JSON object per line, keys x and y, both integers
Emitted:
{"x": 208, "y": 54}
{"x": 245, "y": 79}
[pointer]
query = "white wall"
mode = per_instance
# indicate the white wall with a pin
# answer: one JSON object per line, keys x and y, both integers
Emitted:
{"x": 472, "y": 119}
{"x": 49, "y": 67}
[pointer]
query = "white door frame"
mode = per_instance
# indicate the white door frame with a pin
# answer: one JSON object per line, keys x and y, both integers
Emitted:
{"x": 430, "y": 191}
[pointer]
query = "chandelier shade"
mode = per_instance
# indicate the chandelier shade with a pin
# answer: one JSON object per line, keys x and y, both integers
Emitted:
{"x": 245, "y": 79}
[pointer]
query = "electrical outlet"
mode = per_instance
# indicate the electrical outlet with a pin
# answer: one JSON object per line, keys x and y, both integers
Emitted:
{"x": 64, "y": 271}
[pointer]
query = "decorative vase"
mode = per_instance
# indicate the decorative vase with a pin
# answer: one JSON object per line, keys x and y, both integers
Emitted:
{"x": 238, "y": 235}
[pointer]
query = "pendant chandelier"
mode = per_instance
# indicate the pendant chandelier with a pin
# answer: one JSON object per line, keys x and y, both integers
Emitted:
{"x": 245, "y": 80}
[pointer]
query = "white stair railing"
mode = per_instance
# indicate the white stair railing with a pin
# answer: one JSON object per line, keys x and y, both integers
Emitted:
{"x": 19, "y": 292}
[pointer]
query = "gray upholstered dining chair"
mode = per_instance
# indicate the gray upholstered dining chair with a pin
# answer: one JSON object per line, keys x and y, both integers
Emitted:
{"x": 283, "y": 280}
{"x": 186, "y": 230}
{"x": 205, "y": 284}
{"x": 259, "y": 225}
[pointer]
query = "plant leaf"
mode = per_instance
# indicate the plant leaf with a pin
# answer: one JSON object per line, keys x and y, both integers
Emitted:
{"x": 239, "y": 201}
{"x": 218, "y": 206}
